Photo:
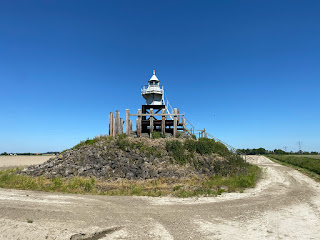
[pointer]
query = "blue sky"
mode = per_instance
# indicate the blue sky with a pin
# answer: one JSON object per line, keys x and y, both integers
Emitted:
{"x": 247, "y": 71}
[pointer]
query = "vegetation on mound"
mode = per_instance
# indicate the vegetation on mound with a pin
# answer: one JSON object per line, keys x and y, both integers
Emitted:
{"x": 157, "y": 167}
{"x": 183, "y": 152}
{"x": 186, "y": 187}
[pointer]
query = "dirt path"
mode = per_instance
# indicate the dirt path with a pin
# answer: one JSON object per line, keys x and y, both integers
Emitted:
{"x": 284, "y": 205}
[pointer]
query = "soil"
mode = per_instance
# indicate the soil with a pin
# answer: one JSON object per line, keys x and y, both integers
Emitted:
{"x": 285, "y": 204}
{"x": 22, "y": 161}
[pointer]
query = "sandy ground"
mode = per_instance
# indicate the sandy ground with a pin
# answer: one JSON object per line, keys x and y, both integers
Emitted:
{"x": 284, "y": 205}
{"x": 21, "y": 161}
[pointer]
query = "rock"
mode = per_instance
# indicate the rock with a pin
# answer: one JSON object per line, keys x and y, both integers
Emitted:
{"x": 105, "y": 160}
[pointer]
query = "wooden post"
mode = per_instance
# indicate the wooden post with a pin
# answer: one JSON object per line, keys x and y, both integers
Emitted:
{"x": 183, "y": 120}
{"x": 117, "y": 123}
{"x": 151, "y": 122}
{"x": 128, "y": 122}
{"x": 111, "y": 124}
{"x": 163, "y": 122}
{"x": 121, "y": 125}
{"x": 138, "y": 124}
{"x": 130, "y": 126}
{"x": 175, "y": 123}
{"x": 138, "y": 127}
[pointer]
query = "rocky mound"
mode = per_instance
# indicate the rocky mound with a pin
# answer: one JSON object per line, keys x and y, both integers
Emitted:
{"x": 139, "y": 158}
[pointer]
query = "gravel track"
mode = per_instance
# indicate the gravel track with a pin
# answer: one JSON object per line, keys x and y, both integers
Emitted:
{"x": 285, "y": 204}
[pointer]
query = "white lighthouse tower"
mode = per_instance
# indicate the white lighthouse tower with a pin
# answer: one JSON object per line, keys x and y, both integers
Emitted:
{"x": 153, "y": 92}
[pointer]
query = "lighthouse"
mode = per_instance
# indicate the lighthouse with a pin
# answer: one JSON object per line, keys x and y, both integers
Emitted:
{"x": 155, "y": 115}
{"x": 153, "y": 92}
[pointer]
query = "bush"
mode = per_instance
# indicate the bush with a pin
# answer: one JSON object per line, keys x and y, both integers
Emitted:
{"x": 123, "y": 143}
{"x": 190, "y": 145}
{"x": 205, "y": 146}
{"x": 233, "y": 164}
{"x": 86, "y": 142}
{"x": 157, "y": 135}
{"x": 178, "y": 151}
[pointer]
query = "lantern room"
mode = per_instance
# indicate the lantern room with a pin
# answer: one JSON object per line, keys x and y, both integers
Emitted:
{"x": 153, "y": 92}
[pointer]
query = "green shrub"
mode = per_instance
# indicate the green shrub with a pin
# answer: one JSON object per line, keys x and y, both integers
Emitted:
{"x": 190, "y": 145}
{"x": 153, "y": 151}
{"x": 205, "y": 146}
{"x": 178, "y": 151}
{"x": 86, "y": 142}
{"x": 122, "y": 136}
{"x": 123, "y": 142}
{"x": 157, "y": 135}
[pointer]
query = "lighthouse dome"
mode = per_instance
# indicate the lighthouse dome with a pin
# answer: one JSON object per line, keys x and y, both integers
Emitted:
{"x": 154, "y": 77}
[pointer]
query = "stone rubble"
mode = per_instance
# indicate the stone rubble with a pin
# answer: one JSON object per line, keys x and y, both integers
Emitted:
{"x": 105, "y": 160}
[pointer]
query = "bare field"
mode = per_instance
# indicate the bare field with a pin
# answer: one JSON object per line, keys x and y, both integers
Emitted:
{"x": 21, "y": 161}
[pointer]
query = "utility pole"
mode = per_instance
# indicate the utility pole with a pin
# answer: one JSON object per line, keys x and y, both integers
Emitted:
{"x": 285, "y": 148}
{"x": 300, "y": 143}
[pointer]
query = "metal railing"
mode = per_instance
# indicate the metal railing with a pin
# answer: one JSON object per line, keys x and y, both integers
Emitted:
{"x": 152, "y": 88}
{"x": 169, "y": 108}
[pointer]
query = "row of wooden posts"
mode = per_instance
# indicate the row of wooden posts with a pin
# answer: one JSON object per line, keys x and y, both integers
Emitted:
{"x": 116, "y": 123}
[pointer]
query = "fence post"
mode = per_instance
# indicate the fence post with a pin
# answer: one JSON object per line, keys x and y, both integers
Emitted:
{"x": 130, "y": 125}
{"x": 138, "y": 124}
{"x": 121, "y": 125}
{"x": 183, "y": 119}
{"x": 151, "y": 122}
{"x": 111, "y": 124}
{"x": 163, "y": 122}
{"x": 128, "y": 122}
{"x": 117, "y": 123}
{"x": 175, "y": 123}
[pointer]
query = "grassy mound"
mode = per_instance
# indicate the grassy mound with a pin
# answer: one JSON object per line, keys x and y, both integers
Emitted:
{"x": 139, "y": 166}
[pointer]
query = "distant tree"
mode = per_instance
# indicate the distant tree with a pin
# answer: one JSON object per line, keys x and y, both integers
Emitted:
{"x": 279, "y": 151}
{"x": 254, "y": 151}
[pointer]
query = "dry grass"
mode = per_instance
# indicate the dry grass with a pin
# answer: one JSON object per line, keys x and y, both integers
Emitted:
{"x": 187, "y": 187}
